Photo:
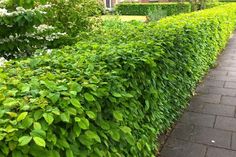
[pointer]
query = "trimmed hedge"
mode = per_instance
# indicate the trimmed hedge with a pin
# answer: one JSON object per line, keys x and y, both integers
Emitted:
{"x": 105, "y": 99}
{"x": 211, "y": 5}
{"x": 143, "y": 8}
{"x": 227, "y": 1}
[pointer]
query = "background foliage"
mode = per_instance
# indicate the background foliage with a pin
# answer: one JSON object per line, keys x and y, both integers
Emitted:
{"x": 143, "y": 8}
{"x": 27, "y": 25}
{"x": 74, "y": 16}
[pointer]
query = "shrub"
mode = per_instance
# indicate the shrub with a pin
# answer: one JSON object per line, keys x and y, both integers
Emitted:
{"x": 211, "y": 5}
{"x": 156, "y": 14}
{"x": 103, "y": 99}
{"x": 27, "y": 25}
{"x": 15, "y": 23}
{"x": 206, "y": 5}
{"x": 74, "y": 16}
{"x": 143, "y": 8}
{"x": 22, "y": 31}
{"x": 230, "y": 1}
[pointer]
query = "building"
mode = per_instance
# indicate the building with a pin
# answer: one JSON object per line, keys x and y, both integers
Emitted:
{"x": 109, "y": 4}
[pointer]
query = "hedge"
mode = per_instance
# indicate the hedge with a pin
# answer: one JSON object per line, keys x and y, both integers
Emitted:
{"x": 144, "y": 8}
{"x": 211, "y": 5}
{"x": 104, "y": 99}
{"x": 227, "y": 1}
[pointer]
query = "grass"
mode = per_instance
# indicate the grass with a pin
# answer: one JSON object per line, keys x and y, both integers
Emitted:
{"x": 124, "y": 18}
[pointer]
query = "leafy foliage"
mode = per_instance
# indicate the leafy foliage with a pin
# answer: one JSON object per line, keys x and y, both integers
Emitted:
{"x": 211, "y": 5}
{"x": 21, "y": 32}
{"x": 143, "y": 8}
{"x": 196, "y": 5}
{"x": 156, "y": 14}
{"x": 27, "y": 4}
{"x": 110, "y": 96}
{"x": 26, "y": 25}
{"x": 227, "y": 0}
{"x": 74, "y": 16}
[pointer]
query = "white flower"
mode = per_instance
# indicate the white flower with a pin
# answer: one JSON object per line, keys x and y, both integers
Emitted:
{"x": 49, "y": 51}
{"x": 3, "y": 11}
{"x": 2, "y": 61}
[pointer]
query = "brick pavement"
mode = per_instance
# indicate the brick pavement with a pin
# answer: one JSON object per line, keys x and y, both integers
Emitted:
{"x": 208, "y": 127}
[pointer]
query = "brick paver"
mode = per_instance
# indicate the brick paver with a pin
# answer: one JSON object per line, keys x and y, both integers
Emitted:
{"x": 218, "y": 152}
{"x": 208, "y": 127}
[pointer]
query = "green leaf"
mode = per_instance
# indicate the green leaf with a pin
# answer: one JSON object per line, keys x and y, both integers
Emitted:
{"x": 62, "y": 142}
{"x": 83, "y": 123}
{"x": 12, "y": 93}
{"x": 91, "y": 114}
{"x": 21, "y": 116}
{"x": 50, "y": 85}
{"x": 139, "y": 146}
{"x": 65, "y": 117}
{"x": 24, "y": 140}
{"x": 10, "y": 129}
{"x": 53, "y": 153}
{"x": 27, "y": 122}
{"x": 4, "y": 150}
{"x": 12, "y": 114}
{"x": 73, "y": 94}
{"x": 93, "y": 135}
{"x": 72, "y": 111}
{"x": 118, "y": 115}
{"x": 115, "y": 94}
{"x": 2, "y": 136}
{"x": 75, "y": 87}
{"x": 38, "y": 133}
{"x": 147, "y": 106}
{"x": 130, "y": 139}
{"x": 77, "y": 130}
{"x": 62, "y": 88}
{"x": 37, "y": 126}
{"x": 75, "y": 103}
{"x": 104, "y": 125}
{"x": 39, "y": 141}
{"x": 17, "y": 153}
{"x": 12, "y": 145}
{"x": 69, "y": 153}
{"x": 38, "y": 114}
{"x": 85, "y": 140}
{"x": 56, "y": 111}
{"x": 125, "y": 129}
{"x": 25, "y": 88}
{"x": 89, "y": 97}
{"x": 54, "y": 97}
{"x": 10, "y": 102}
{"x": 115, "y": 134}
{"x": 128, "y": 95}
{"x": 48, "y": 118}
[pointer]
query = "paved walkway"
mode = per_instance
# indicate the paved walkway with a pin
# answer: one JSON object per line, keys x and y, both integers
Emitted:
{"x": 208, "y": 127}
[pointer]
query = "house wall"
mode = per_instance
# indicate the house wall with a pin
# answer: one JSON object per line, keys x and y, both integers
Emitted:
{"x": 114, "y": 2}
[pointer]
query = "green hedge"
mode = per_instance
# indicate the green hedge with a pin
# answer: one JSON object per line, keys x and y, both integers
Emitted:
{"x": 211, "y": 5}
{"x": 105, "y": 99}
{"x": 143, "y": 8}
{"x": 227, "y": 0}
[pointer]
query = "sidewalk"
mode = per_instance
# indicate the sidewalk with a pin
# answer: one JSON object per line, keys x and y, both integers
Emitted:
{"x": 208, "y": 127}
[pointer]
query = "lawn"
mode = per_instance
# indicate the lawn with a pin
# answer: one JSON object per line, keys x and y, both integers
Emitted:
{"x": 124, "y": 18}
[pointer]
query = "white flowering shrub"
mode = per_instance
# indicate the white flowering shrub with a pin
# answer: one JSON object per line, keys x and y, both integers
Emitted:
{"x": 22, "y": 31}
{"x": 28, "y": 25}
{"x": 2, "y": 61}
